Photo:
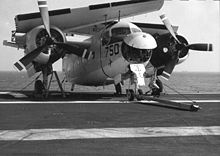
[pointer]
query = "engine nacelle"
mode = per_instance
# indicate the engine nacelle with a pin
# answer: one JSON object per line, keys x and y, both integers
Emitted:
{"x": 37, "y": 37}
{"x": 184, "y": 53}
{"x": 167, "y": 50}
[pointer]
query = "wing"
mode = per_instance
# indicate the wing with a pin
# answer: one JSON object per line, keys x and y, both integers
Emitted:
{"x": 73, "y": 19}
{"x": 153, "y": 29}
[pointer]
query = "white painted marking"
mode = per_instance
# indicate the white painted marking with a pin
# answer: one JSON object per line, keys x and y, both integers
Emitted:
{"x": 166, "y": 73}
{"x": 60, "y": 102}
{"x": 84, "y": 53}
{"x": 163, "y": 17}
{"x": 164, "y": 77}
{"x": 100, "y": 102}
{"x": 14, "y": 94}
{"x": 188, "y": 101}
{"x": 100, "y": 133}
{"x": 139, "y": 70}
{"x": 43, "y": 6}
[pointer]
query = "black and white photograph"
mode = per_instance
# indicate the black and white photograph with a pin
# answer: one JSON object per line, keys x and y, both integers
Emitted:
{"x": 109, "y": 77}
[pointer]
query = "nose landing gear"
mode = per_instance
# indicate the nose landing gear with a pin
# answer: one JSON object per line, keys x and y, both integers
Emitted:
{"x": 138, "y": 94}
{"x": 118, "y": 89}
{"x": 130, "y": 94}
{"x": 157, "y": 88}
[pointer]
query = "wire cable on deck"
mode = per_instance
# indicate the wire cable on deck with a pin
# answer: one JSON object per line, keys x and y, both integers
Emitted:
{"x": 31, "y": 82}
{"x": 194, "y": 102}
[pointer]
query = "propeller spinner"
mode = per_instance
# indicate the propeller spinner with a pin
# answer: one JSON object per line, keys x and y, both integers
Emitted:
{"x": 70, "y": 49}
{"x": 180, "y": 46}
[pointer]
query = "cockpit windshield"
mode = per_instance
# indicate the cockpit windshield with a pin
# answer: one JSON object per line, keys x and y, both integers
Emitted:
{"x": 120, "y": 31}
{"x": 117, "y": 31}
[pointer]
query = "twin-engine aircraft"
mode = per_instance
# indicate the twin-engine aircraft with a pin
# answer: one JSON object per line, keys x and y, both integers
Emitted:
{"x": 97, "y": 47}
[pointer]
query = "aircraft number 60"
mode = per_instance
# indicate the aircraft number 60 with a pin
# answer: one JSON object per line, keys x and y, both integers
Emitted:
{"x": 112, "y": 49}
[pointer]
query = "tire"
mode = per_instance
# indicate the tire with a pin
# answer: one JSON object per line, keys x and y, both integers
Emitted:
{"x": 39, "y": 87}
{"x": 156, "y": 91}
{"x": 140, "y": 92}
{"x": 130, "y": 94}
{"x": 118, "y": 89}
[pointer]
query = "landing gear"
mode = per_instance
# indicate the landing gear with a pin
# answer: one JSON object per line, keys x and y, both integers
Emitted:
{"x": 118, "y": 89}
{"x": 140, "y": 92}
{"x": 41, "y": 89}
{"x": 155, "y": 90}
{"x": 130, "y": 94}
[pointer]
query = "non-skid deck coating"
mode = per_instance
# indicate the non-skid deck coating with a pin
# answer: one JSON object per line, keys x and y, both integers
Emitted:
{"x": 102, "y": 124}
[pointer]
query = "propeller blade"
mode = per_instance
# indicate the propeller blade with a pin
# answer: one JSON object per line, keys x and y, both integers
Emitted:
{"x": 27, "y": 59}
{"x": 70, "y": 49}
{"x": 43, "y": 7}
{"x": 56, "y": 56}
{"x": 169, "y": 69}
{"x": 200, "y": 47}
{"x": 169, "y": 27}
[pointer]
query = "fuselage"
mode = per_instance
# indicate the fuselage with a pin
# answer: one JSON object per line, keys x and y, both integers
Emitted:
{"x": 110, "y": 56}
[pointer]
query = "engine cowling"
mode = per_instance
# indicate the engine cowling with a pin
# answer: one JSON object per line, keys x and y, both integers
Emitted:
{"x": 167, "y": 49}
{"x": 37, "y": 37}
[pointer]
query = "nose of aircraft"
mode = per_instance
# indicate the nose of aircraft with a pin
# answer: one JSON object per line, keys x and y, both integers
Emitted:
{"x": 138, "y": 47}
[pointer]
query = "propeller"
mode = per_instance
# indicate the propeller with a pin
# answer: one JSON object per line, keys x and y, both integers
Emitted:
{"x": 200, "y": 47}
{"x": 169, "y": 27}
{"x": 43, "y": 7}
{"x": 27, "y": 59}
{"x": 180, "y": 46}
{"x": 69, "y": 49}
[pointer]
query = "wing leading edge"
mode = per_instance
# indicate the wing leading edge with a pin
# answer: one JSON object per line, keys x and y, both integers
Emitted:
{"x": 73, "y": 19}
{"x": 153, "y": 29}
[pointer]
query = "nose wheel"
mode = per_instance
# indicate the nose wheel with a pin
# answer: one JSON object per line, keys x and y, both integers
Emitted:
{"x": 118, "y": 89}
{"x": 130, "y": 94}
{"x": 156, "y": 91}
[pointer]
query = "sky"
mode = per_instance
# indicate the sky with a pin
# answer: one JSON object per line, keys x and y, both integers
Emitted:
{"x": 198, "y": 21}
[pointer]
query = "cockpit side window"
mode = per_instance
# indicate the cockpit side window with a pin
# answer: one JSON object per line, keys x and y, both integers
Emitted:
{"x": 105, "y": 38}
{"x": 120, "y": 31}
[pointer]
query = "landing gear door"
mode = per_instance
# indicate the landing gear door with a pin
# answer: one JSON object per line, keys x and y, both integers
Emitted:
{"x": 139, "y": 70}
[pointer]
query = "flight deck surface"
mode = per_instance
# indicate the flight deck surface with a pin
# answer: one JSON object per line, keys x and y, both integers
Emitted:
{"x": 103, "y": 124}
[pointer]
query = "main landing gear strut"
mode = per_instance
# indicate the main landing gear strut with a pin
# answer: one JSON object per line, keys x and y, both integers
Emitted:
{"x": 118, "y": 89}
{"x": 41, "y": 89}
